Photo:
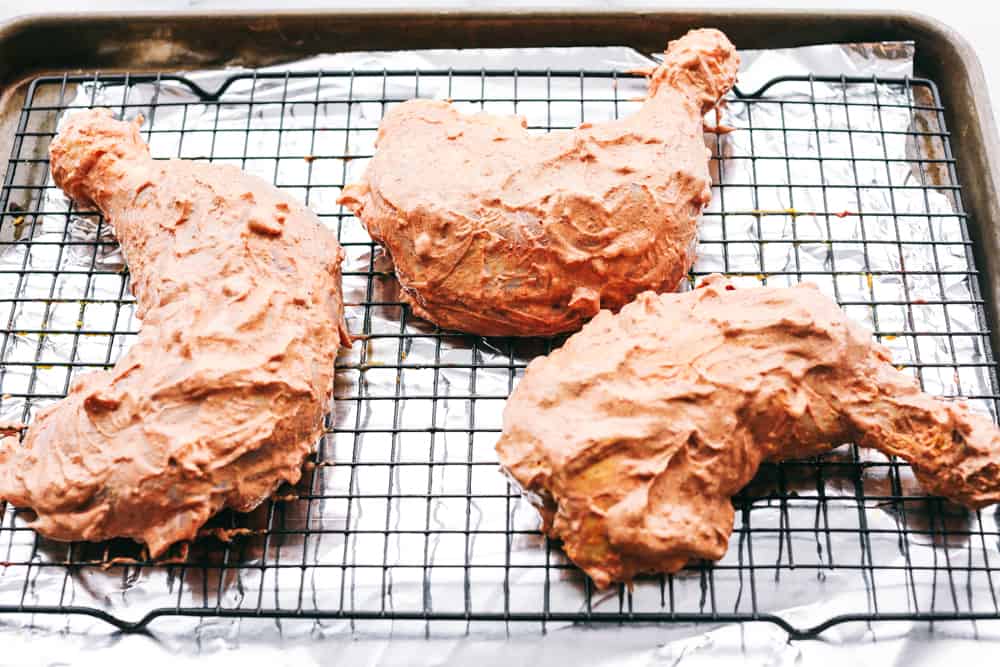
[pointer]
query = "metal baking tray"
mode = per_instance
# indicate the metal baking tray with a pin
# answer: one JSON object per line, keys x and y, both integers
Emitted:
{"x": 41, "y": 57}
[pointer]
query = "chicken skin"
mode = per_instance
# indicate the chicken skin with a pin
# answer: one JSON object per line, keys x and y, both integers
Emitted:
{"x": 499, "y": 232}
{"x": 632, "y": 437}
{"x": 222, "y": 396}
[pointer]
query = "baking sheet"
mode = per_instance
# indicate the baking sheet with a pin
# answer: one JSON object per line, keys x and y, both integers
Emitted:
{"x": 773, "y": 214}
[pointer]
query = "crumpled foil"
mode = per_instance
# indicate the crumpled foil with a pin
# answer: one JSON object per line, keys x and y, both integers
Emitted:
{"x": 774, "y": 220}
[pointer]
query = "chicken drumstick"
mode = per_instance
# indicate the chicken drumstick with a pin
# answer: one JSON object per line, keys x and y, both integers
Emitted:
{"x": 633, "y": 437}
{"x": 496, "y": 231}
{"x": 222, "y": 395}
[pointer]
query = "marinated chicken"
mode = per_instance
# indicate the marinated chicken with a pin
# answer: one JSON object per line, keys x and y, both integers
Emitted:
{"x": 222, "y": 395}
{"x": 496, "y": 231}
{"x": 632, "y": 437}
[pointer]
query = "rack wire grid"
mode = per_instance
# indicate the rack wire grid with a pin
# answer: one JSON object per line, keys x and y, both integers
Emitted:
{"x": 403, "y": 514}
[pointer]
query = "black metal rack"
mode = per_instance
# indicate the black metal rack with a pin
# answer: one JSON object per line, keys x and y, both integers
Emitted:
{"x": 404, "y": 515}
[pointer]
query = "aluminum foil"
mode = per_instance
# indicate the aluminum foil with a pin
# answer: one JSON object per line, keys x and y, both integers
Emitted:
{"x": 777, "y": 234}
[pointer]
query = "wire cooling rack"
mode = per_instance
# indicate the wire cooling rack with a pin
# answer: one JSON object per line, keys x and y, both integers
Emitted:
{"x": 403, "y": 514}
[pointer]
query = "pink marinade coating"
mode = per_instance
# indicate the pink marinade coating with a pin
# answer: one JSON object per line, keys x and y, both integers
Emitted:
{"x": 633, "y": 436}
{"x": 222, "y": 395}
{"x": 497, "y": 231}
